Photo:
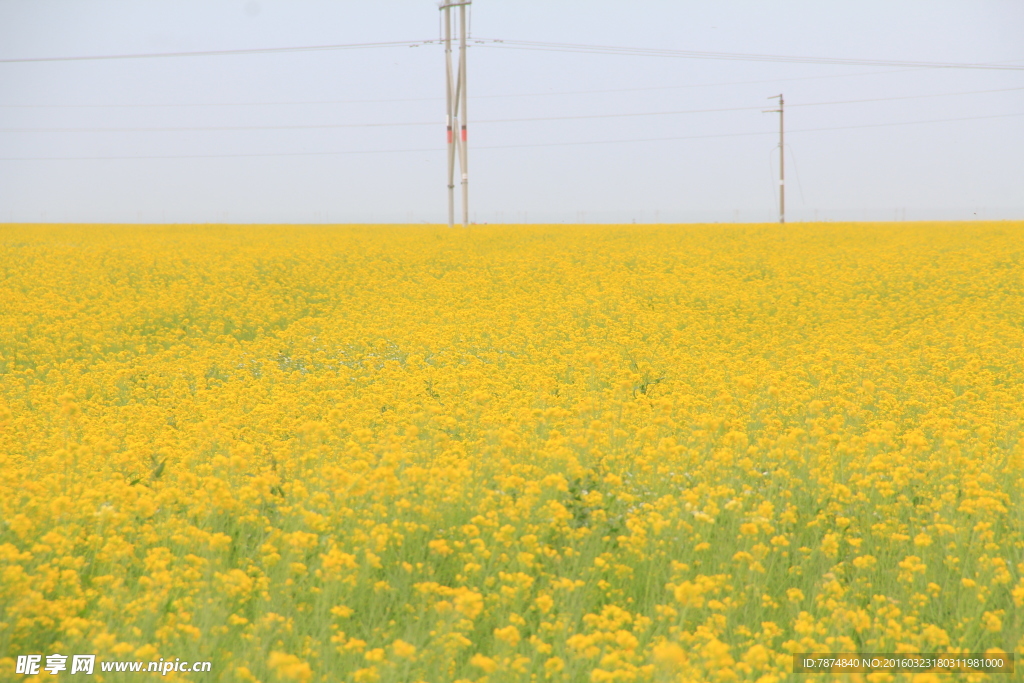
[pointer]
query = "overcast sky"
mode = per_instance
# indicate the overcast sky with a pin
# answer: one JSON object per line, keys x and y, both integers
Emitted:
{"x": 629, "y": 161}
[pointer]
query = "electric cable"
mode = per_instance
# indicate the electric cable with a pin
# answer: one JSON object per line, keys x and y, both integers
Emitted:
{"x": 217, "y": 53}
{"x": 176, "y": 129}
{"x": 736, "y": 56}
{"x": 517, "y": 146}
{"x": 475, "y": 97}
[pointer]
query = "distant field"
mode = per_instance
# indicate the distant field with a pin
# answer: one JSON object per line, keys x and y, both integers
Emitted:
{"x": 602, "y": 453}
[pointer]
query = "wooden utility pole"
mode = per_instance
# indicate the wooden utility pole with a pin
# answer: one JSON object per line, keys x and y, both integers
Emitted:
{"x": 782, "y": 156}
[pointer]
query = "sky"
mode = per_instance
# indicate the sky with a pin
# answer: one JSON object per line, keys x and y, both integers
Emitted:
{"x": 559, "y": 136}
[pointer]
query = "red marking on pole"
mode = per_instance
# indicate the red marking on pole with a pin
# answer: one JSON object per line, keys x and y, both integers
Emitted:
{"x": 449, "y": 135}
{"x": 463, "y": 133}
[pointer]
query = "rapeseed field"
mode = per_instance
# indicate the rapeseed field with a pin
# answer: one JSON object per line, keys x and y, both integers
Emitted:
{"x": 522, "y": 453}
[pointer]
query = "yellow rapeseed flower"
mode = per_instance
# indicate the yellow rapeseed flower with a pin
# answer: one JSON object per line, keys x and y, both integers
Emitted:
{"x": 291, "y": 449}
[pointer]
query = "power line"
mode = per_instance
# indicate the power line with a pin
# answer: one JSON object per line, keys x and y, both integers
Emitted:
{"x": 518, "y": 146}
{"x": 225, "y": 104}
{"x": 217, "y": 53}
{"x": 735, "y": 56}
{"x": 549, "y": 47}
{"x": 907, "y": 97}
{"x": 189, "y": 129}
{"x": 435, "y": 99}
{"x": 718, "y": 85}
{"x": 736, "y": 135}
{"x": 180, "y": 129}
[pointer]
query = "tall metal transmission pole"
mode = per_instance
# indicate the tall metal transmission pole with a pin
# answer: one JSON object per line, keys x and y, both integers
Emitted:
{"x": 456, "y": 112}
{"x": 782, "y": 156}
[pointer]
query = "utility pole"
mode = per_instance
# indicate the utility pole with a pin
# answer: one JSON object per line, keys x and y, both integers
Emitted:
{"x": 456, "y": 112}
{"x": 782, "y": 157}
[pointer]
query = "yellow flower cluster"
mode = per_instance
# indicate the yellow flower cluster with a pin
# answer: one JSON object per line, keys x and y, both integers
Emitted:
{"x": 532, "y": 453}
